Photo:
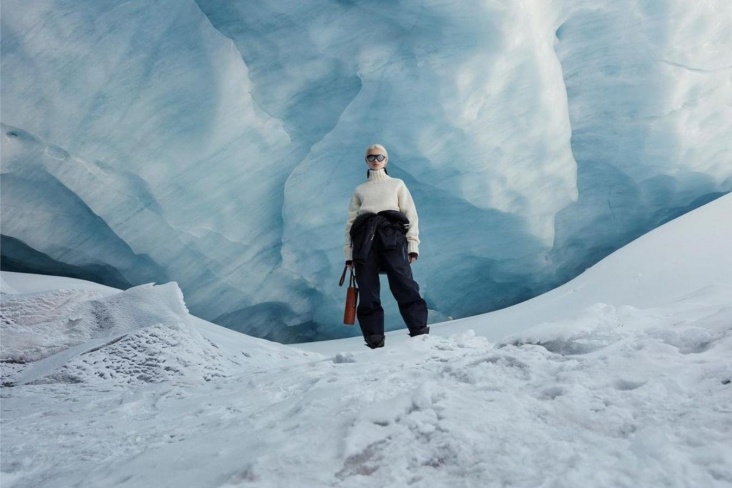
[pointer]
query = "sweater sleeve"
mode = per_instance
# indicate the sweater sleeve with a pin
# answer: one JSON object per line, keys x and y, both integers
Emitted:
{"x": 406, "y": 206}
{"x": 353, "y": 208}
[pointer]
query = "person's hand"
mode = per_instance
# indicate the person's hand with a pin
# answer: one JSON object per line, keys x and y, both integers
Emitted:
{"x": 349, "y": 264}
{"x": 413, "y": 257}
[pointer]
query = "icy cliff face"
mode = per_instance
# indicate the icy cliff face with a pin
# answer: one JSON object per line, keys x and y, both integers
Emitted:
{"x": 217, "y": 143}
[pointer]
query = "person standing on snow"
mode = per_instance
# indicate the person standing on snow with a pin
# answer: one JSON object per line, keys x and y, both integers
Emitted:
{"x": 382, "y": 234}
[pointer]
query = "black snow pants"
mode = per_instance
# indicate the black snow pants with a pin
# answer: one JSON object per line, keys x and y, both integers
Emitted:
{"x": 394, "y": 261}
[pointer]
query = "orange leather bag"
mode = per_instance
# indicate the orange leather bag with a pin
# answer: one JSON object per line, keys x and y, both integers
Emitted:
{"x": 349, "y": 313}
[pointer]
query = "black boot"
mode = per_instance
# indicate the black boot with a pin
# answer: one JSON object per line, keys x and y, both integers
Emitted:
{"x": 374, "y": 341}
{"x": 423, "y": 330}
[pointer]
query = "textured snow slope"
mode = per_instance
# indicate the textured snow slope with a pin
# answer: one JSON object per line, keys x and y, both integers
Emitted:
{"x": 216, "y": 143}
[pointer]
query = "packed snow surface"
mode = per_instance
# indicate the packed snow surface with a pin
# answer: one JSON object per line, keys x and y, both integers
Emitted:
{"x": 622, "y": 377}
{"x": 215, "y": 143}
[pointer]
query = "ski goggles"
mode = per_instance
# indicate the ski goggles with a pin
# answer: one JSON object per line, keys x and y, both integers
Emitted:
{"x": 375, "y": 157}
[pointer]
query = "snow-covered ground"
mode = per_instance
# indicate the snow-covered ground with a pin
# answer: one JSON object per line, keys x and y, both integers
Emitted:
{"x": 618, "y": 378}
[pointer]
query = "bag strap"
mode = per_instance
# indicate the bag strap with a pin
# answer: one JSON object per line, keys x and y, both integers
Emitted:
{"x": 351, "y": 280}
{"x": 343, "y": 276}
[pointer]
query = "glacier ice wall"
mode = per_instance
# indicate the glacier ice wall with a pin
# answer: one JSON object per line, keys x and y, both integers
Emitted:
{"x": 216, "y": 143}
{"x": 650, "y": 91}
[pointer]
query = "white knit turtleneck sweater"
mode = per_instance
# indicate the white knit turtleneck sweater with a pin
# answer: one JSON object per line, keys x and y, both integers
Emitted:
{"x": 382, "y": 192}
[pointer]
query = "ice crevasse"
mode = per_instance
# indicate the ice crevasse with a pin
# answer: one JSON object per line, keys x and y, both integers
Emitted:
{"x": 216, "y": 143}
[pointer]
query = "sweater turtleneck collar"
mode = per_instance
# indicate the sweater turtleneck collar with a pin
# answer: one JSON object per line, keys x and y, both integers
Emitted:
{"x": 378, "y": 175}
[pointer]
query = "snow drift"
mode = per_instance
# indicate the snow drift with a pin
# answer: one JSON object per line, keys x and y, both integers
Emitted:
{"x": 141, "y": 335}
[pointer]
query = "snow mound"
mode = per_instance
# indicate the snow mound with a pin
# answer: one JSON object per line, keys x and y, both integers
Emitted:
{"x": 513, "y": 415}
{"x": 155, "y": 354}
{"x": 142, "y": 335}
{"x": 690, "y": 326}
{"x": 641, "y": 388}
{"x": 38, "y": 326}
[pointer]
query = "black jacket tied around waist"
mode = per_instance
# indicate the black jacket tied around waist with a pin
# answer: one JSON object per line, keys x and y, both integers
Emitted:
{"x": 389, "y": 225}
